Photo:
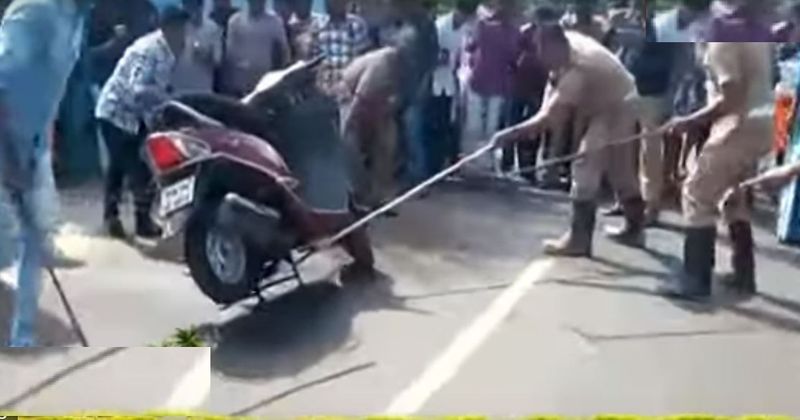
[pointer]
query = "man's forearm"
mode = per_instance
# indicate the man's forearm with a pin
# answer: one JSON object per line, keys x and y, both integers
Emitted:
{"x": 531, "y": 127}
{"x": 793, "y": 171}
{"x": 775, "y": 178}
{"x": 731, "y": 94}
{"x": 786, "y": 173}
{"x": 706, "y": 115}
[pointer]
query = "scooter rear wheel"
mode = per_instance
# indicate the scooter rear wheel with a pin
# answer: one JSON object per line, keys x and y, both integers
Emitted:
{"x": 222, "y": 264}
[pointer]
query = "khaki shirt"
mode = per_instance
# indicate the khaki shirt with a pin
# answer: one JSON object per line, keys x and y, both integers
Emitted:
{"x": 594, "y": 81}
{"x": 371, "y": 75}
{"x": 371, "y": 78}
{"x": 748, "y": 63}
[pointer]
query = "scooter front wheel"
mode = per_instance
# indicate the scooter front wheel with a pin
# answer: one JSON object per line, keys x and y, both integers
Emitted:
{"x": 222, "y": 264}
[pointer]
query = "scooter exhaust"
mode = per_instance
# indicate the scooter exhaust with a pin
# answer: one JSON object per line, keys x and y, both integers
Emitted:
{"x": 259, "y": 225}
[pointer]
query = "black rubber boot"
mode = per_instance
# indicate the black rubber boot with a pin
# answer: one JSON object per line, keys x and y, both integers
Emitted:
{"x": 631, "y": 233}
{"x": 743, "y": 278}
{"x": 652, "y": 214}
{"x": 698, "y": 266}
{"x": 356, "y": 272}
{"x": 577, "y": 241}
{"x": 146, "y": 228}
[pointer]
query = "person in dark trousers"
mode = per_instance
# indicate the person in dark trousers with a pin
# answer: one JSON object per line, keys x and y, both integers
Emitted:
{"x": 140, "y": 83}
{"x": 415, "y": 87}
{"x": 634, "y": 38}
{"x": 530, "y": 82}
{"x": 442, "y": 130}
{"x": 221, "y": 12}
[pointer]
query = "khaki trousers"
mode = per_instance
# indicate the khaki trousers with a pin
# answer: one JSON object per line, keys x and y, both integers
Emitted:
{"x": 375, "y": 147}
{"x": 729, "y": 157}
{"x": 654, "y": 111}
{"x": 618, "y": 162}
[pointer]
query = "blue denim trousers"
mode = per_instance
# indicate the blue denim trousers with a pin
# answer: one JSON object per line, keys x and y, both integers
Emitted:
{"x": 417, "y": 155}
{"x": 27, "y": 221}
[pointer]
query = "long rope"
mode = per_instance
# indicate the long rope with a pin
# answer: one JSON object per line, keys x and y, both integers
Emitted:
{"x": 328, "y": 242}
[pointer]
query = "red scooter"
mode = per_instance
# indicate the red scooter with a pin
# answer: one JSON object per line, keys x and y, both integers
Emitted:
{"x": 250, "y": 182}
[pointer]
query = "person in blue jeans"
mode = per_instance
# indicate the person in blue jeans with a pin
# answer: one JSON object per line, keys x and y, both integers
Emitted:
{"x": 415, "y": 88}
{"x": 40, "y": 42}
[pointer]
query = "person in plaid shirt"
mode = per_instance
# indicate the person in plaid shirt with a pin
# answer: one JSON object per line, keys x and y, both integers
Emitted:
{"x": 341, "y": 37}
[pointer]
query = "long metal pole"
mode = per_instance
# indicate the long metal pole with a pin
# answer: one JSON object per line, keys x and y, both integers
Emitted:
{"x": 456, "y": 166}
{"x": 73, "y": 319}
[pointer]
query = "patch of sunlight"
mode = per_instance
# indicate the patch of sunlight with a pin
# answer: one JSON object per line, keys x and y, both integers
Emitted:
{"x": 74, "y": 241}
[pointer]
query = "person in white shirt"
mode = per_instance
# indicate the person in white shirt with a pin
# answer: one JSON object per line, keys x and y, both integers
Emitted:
{"x": 194, "y": 70}
{"x": 452, "y": 30}
{"x": 256, "y": 44}
{"x": 126, "y": 107}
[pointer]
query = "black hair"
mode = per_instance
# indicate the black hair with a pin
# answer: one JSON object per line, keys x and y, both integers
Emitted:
{"x": 546, "y": 14}
{"x": 173, "y": 16}
{"x": 467, "y": 6}
{"x": 553, "y": 31}
{"x": 697, "y": 4}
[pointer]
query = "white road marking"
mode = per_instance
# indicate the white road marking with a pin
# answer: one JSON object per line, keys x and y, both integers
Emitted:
{"x": 192, "y": 391}
{"x": 446, "y": 366}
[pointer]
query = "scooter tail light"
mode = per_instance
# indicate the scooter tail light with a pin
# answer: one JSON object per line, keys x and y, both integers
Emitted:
{"x": 168, "y": 151}
{"x": 164, "y": 153}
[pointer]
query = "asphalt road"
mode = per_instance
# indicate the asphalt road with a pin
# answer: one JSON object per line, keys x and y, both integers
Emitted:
{"x": 467, "y": 318}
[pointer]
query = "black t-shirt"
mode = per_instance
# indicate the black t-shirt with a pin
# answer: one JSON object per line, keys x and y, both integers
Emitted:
{"x": 652, "y": 65}
{"x": 653, "y": 68}
{"x": 139, "y": 18}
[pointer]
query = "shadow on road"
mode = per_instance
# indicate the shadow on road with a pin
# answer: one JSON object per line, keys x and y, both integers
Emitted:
{"x": 53, "y": 333}
{"x": 62, "y": 374}
{"x": 295, "y": 331}
{"x": 471, "y": 227}
{"x": 295, "y": 389}
{"x": 760, "y": 311}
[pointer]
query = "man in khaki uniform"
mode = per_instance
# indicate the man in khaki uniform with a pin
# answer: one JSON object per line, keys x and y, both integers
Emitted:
{"x": 740, "y": 113}
{"x": 593, "y": 82}
{"x": 368, "y": 94}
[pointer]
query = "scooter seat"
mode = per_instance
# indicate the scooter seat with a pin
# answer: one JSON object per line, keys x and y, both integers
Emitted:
{"x": 177, "y": 114}
{"x": 275, "y": 81}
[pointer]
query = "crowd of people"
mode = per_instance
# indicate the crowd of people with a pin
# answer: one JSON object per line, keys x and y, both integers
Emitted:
{"x": 417, "y": 91}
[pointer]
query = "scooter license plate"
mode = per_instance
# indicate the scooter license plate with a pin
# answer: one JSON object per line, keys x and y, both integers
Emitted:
{"x": 177, "y": 196}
